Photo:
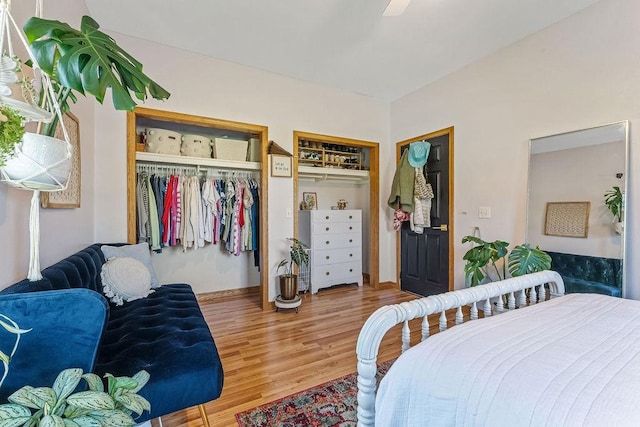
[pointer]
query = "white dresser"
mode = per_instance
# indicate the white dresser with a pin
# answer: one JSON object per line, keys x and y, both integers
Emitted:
{"x": 335, "y": 239}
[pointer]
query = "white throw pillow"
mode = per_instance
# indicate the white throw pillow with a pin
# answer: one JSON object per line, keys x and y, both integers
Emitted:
{"x": 125, "y": 279}
{"x": 139, "y": 252}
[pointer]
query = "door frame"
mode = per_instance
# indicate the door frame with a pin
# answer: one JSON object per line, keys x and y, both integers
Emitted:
{"x": 399, "y": 146}
{"x": 374, "y": 193}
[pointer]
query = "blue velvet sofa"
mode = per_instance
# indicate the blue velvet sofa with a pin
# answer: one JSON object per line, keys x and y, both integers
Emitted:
{"x": 74, "y": 325}
{"x": 587, "y": 274}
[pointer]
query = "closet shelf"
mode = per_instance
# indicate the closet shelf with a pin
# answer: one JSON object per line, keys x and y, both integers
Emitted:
{"x": 142, "y": 156}
{"x": 310, "y": 173}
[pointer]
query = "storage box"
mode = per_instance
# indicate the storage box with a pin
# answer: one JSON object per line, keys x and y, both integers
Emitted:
{"x": 162, "y": 141}
{"x": 196, "y": 146}
{"x": 230, "y": 149}
{"x": 254, "y": 153}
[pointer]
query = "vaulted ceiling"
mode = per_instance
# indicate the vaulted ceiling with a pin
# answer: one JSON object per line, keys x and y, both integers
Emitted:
{"x": 346, "y": 44}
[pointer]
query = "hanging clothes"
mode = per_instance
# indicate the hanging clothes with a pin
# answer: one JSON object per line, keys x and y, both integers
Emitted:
{"x": 423, "y": 194}
{"x": 402, "y": 187}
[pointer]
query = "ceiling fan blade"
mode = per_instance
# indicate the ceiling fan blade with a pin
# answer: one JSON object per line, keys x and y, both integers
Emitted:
{"x": 396, "y": 7}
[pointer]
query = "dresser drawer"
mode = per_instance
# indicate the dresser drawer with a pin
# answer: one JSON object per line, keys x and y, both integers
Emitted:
{"x": 332, "y": 256}
{"x": 347, "y": 272}
{"x": 336, "y": 241}
{"x": 319, "y": 228}
{"x": 336, "y": 216}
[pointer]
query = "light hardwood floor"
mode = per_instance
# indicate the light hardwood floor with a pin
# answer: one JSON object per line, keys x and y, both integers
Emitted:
{"x": 268, "y": 355}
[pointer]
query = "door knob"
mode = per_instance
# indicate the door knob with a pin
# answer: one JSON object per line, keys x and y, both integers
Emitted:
{"x": 443, "y": 227}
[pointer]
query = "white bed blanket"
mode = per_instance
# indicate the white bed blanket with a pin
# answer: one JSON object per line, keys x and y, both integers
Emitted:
{"x": 570, "y": 361}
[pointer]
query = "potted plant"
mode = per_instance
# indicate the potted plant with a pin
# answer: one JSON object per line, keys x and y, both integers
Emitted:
{"x": 615, "y": 203}
{"x": 523, "y": 259}
{"x": 44, "y": 406}
{"x": 289, "y": 281}
{"x": 86, "y": 61}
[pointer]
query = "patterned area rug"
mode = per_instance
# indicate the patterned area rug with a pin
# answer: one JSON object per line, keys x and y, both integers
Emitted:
{"x": 333, "y": 403}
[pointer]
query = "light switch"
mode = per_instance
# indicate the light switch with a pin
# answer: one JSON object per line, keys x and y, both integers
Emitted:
{"x": 288, "y": 213}
{"x": 484, "y": 212}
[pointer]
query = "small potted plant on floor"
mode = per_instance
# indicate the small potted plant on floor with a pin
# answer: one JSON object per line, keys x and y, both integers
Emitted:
{"x": 299, "y": 256}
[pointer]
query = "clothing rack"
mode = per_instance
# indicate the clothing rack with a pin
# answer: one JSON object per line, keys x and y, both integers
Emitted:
{"x": 155, "y": 168}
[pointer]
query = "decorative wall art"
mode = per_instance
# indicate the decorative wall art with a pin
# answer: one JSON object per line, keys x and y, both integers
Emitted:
{"x": 310, "y": 200}
{"x": 280, "y": 165}
{"x": 70, "y": 197}
{"x": 567, "y": 219}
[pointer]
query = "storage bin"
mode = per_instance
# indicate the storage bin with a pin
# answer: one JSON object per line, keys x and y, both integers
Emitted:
{"x": 230, "y": 149}
{"x": 254, "y": 153}
{"x": 162, "y": 141}
{"x": 196, "y": 146}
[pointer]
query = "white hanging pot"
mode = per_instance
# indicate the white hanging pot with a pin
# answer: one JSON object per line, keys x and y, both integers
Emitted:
{"x": 41, "y": 163}
{"x": 618, "y": 227}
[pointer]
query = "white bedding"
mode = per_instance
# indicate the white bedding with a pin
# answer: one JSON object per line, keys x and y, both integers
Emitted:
{"x": 570, "y": 361}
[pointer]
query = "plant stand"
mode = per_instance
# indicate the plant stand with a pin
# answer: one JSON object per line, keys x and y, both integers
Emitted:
{"x": 288, "y": 303}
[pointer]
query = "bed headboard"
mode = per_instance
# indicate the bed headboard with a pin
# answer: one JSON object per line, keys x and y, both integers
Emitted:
{"x": 515, "y": 289}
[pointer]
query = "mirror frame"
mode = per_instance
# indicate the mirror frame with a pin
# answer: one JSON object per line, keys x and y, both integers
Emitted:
{"x": 625, "y": 183}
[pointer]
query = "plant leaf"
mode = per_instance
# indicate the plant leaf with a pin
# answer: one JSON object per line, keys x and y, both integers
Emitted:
{"x": 13, "y": 415}
{"x": 113, "y": 418}
{"x": 134, "y": 402}
{"x": 26, "y": 396}
{"x": 142, "y": 377}
{"x": 524, "y": 260}
{"x": 94, "y": 382}
{"x": 90, "y": 61}
{"x": 85, "y": 421}
{"x": 51, "y": 421}
{"x": 66, "y": 382}
{"x": 91, "y": 400}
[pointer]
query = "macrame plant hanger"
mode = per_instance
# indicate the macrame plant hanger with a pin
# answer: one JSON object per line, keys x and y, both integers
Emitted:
{"x": 32, "y": 167}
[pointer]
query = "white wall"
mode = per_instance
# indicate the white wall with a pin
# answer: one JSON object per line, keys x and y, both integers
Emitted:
{"x": 576, "y": 74}
{"x": 579, "y": 174}
{"x": 62, "y": 231}
{"x": 213, "y": 88}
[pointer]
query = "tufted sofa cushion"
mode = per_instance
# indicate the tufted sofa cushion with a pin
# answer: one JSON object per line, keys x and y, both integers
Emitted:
{"x": 166, "y": 335}
{"x": 587, "y": 274}
{"x": 65, "y": 327}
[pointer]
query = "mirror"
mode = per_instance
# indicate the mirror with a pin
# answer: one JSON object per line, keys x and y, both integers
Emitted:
{"x": 567, "y": 216}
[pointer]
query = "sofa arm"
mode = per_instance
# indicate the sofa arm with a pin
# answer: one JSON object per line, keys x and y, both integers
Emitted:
{"x": 65, "y": 330}
{"x": 577, "y": 285}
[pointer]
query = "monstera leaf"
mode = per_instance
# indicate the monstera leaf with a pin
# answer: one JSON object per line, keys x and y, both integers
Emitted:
{"x": 480, "y": 256}
{"x": 524, "y": 259}
{"x": 89, "y": 61}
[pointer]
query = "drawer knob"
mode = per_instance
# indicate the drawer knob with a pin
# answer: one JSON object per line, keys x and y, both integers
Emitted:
{"x": 327, "y": 242}
{"x": 327, "y": 257}
{"x": 350, "y": 216}
{"x": 326, "y": 229}
{"x": 349, "y": 255}
{"x": 327, "y": 273}
{"x": 350, "y": 270}
{"x": 350, "y": 240}
{"x": 326, "y": 217}
{"x": 350, "y": 228}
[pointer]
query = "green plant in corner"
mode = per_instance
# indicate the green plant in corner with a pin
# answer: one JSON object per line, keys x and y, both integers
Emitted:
{"x": 523, "y": 259}
{"x": 298, "y": 255}
{"x": 614, "y": 200}
{"x": 59, "y": 406}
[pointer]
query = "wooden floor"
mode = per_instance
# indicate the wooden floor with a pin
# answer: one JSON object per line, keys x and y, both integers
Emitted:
{"x": 268, "y": 355}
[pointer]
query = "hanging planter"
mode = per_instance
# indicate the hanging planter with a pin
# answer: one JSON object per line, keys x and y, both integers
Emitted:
{"x": 63, "y": 60}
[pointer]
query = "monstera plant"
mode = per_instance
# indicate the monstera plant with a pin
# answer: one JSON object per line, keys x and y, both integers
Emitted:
{"x": 88, "y": 61}
{"x": 486, "y": 260}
